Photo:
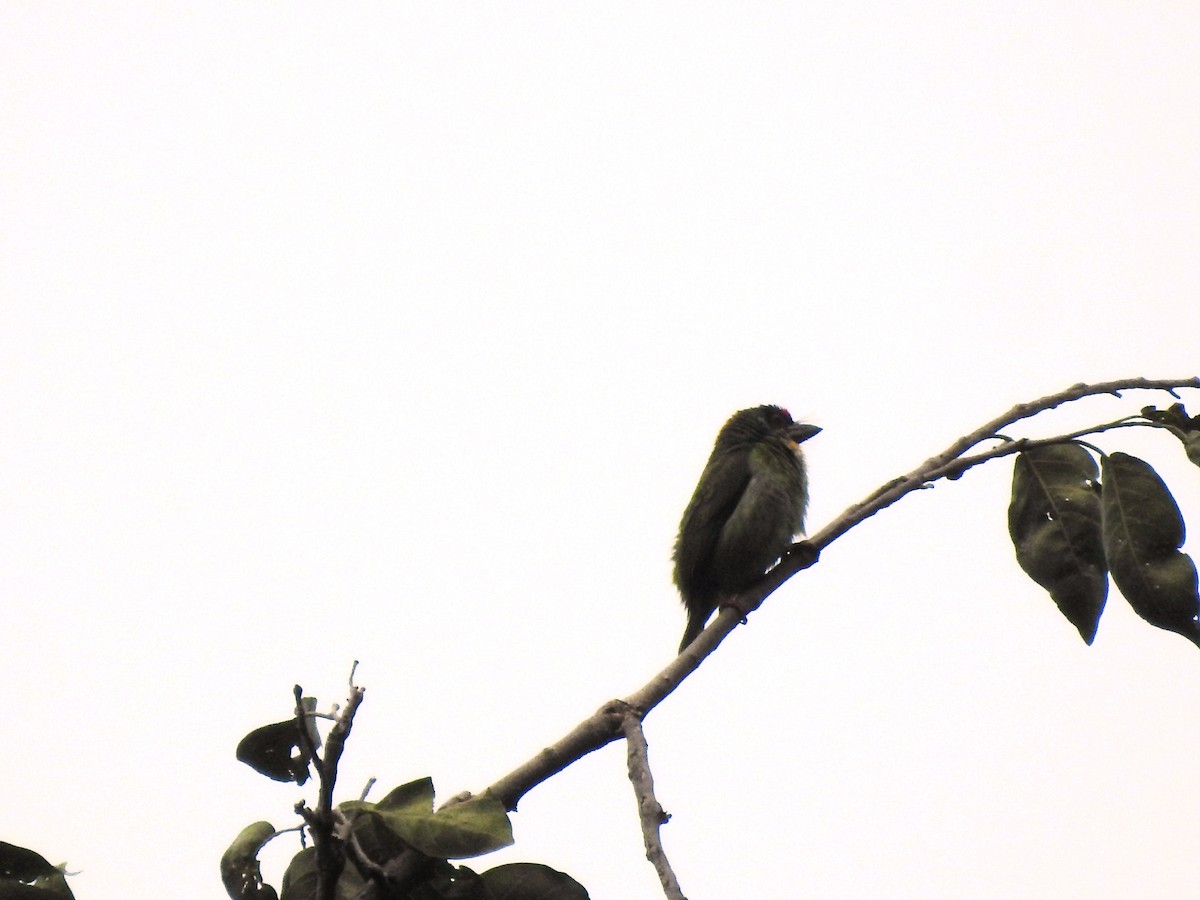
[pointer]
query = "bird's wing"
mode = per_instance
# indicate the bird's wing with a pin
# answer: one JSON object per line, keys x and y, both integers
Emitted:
{"x": 767, "y": 515}
{"x": 730, "y": 476}
{"x": 721, "y": 487}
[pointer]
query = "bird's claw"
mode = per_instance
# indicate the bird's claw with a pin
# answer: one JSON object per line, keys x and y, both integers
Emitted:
{"x": 735, "y": 604}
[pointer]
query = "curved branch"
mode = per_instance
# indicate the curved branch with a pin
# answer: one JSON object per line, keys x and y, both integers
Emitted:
{"x": 949, "y": 464}
{"x": 605, "y": 725}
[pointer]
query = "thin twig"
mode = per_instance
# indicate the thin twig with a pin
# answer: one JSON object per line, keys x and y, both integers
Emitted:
{"x": 918, "y": 477}
{"x": 335, "y": 743}
{"x": 307, "y": 744}
{"x": 371, "y": 869}
{"x": 957, "y": 467}
{"x": 650, "y": 812}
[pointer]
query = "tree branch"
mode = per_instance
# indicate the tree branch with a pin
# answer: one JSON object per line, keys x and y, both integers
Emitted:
{"x": 597, "y": 730}
{"x": 947, "y": 464}
{"x": 321, "y": 821}
{"x": 605, "y": 725}
{"x": 650, "y": 812}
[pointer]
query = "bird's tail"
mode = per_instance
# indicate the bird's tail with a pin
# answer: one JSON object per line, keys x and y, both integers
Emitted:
{"x": 695, "y": 625}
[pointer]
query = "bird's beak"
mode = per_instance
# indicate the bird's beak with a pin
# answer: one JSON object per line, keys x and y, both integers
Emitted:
{"x": 800, "y": 432}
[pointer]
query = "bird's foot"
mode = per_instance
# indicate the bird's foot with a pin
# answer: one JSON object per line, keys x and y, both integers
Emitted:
{"x": 736, "y": 603}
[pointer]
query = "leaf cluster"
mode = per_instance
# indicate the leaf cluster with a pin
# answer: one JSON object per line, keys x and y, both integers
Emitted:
{"x": 398, "y": 848}
{"x": 1074, "y": 524}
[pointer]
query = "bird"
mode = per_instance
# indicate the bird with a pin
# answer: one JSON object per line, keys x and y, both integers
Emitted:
{"x": 747, "y": 508}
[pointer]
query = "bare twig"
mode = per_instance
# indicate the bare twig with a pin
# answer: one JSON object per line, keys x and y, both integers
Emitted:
{"x": 335, "y": 743}
{"x": 307, "y": 744}
{"x": 922, "y": 474}
{"x": 368, "y": 866}
{"x": 321, "y": 821}
{"x": 650, "y": 812}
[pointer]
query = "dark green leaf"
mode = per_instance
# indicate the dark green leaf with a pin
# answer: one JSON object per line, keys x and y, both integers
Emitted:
{"x": 452, "y": 883}
{"x": 300, "y": 879}
{"x": 470, "y": 828}
{"x": 1054, "y": 520}
{"x": 25, "y": 875}
{"x": 378, "y": 842}
{"x": 531, "y": 881}
{"x": 17, "y": 890}
{"x": 415, "y": 796}
{"x": 21, "y": 864}
{"x": 1143, "y": 530}
{"x": 473, "y": 827}
{"x": 1183, "y": 426}
{"x": 240, "y": 871}
{"x": 408, "y": 869}
{"x": 269, "y": 750}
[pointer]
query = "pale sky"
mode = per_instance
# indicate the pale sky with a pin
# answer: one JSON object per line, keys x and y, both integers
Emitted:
{"x": 400, "y": 333}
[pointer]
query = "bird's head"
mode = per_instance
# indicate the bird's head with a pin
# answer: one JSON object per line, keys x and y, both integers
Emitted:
{"x": 762, "y": 423}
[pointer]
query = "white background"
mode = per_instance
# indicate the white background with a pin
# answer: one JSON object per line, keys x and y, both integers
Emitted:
{"x": 400, "y": 333}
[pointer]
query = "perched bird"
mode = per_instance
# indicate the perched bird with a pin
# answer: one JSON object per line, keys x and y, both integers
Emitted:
{"x": 746, "y": 510}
